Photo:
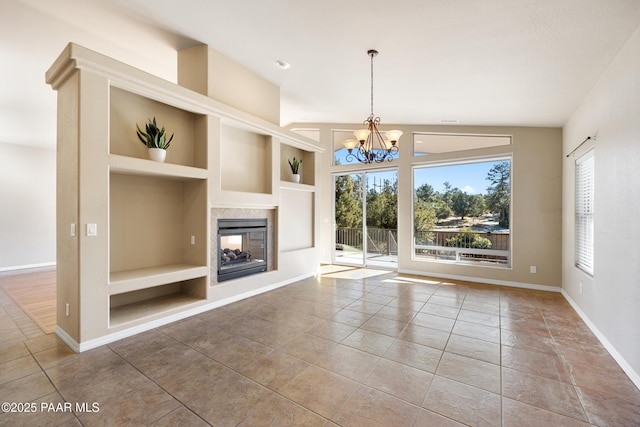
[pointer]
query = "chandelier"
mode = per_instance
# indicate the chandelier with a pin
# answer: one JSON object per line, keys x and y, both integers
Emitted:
{"x": 370, "y": 146}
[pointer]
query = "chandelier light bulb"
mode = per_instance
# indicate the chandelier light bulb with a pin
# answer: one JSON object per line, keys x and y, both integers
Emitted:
{"x": 362, "y": 134}
{"x": 393, "y": 135}
{"x": 349, "y": 144}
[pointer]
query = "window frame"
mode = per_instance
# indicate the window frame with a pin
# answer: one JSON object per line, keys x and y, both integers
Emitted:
{"x": 584, "y": 209}
{"x": 461, "y": 162}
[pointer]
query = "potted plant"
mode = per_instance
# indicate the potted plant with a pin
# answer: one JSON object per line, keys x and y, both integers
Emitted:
{"x": 295, "y": 168}
{"x": 155, "y": 139}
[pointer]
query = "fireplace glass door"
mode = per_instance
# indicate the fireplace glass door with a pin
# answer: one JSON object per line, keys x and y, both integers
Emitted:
{"x": 242, "y": 248}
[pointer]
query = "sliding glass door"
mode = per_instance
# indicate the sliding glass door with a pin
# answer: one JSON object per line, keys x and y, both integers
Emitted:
{"x": 366, "y": 218}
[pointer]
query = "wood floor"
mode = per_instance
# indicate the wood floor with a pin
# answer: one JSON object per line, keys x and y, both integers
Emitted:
{"x": 35, "y": 294}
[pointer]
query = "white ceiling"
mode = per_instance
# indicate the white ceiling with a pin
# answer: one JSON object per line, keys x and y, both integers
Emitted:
{"x": 490, "y": 62}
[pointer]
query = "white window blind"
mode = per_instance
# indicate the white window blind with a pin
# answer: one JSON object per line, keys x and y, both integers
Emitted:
{"x": 585, "y": 185}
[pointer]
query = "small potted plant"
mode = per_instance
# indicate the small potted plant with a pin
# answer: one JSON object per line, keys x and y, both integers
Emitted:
{"x": 295, "y": 169}
{"x": 155, "y": 139}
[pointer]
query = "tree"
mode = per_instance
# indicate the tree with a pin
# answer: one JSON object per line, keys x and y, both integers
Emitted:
{"x": 498, "y": 196}
{"x": 477, "y": 205}
{"x": 426, "y": 193}
{"x": 460, "y": 203}
{"x": 442, "y": 210}
{"x": 382, "y": 202}
{"x": 447, "y": 196}
{"x": 424, "y": 220}
{"x": 348, "y": 199}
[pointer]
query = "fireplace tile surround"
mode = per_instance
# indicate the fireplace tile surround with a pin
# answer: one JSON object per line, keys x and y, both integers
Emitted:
{"x": 240, "y": 213}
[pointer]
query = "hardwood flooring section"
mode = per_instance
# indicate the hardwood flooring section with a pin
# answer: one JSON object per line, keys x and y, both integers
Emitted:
{"x": 35, "y": 294}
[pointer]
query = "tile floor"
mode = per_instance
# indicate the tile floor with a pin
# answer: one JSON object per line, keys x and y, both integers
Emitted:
{"x": 353, "y": 349}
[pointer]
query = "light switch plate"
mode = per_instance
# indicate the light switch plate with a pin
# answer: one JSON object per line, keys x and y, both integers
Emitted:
{"x": 92, "y": 229}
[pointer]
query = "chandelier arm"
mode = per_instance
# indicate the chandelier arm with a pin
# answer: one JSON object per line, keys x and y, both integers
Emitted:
{"x": 380, "y": 138}
{"x": 351, "y": 156}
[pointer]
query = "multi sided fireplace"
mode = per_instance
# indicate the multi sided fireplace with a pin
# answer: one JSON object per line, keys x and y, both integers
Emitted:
{"x": 242, "y": 247}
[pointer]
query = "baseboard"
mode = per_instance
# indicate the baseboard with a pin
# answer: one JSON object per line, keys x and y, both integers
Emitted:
{"x": 27, "y": 267}
{"x": 631, "y": 373}
{"x": 107, "y": 339}
{"x": 532, "y": 286}
{"x": 67, "y": 339}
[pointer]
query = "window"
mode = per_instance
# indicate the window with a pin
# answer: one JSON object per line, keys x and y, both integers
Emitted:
{"x": 340, "y": 153}
{"x": 425, "y": 144}
{"x": 462, "y": 213}
{"x": 585, "y": 185}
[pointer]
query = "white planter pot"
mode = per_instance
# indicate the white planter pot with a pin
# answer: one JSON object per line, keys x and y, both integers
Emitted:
{"x": 295, "y": 177}
{"x": 157, "y": 154}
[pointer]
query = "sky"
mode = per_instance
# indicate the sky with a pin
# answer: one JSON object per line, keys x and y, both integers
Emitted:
{"x": 470, "y": 177}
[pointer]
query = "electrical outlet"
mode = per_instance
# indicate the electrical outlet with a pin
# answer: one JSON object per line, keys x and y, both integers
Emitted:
{"x": 533, "y": 269}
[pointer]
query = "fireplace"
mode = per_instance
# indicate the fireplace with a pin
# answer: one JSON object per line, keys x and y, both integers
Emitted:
{"x": 242, "y": 247}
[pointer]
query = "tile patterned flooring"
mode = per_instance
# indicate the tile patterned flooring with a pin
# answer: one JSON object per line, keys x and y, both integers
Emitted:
{"x": 359, "y": 349}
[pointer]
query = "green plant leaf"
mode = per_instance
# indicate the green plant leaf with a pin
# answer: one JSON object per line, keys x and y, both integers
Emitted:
{"x": 153, "y": 137}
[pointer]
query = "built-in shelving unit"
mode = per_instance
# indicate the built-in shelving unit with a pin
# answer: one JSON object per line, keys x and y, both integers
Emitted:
{"x": 158, "y": 233}
{"x": 140, "y": 252}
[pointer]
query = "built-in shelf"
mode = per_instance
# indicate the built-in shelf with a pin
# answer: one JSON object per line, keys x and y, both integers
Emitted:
{"x": 297, "y": 186}
{"x": 136, "y": 166}
{"x": 150, "y": 308}
{"x": 142, "y": 278}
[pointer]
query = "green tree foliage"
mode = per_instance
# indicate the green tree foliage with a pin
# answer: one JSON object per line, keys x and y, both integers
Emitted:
{"x": 468, "y": 239}
{"x": 498, "y": 198}
{"x": 447, "y": 196}
{"x": 442, "y": 210}
{"x": 424, "y": 216}
{"x": 478, "y": 205}
{"x": 460, "y": 203}
{"x": 348, "y": 199}
{"x": 464, "y": 204}
{"x": 426, "y": 193}
{"x": 424, "y": 220}
{"x": 382, "y": 205}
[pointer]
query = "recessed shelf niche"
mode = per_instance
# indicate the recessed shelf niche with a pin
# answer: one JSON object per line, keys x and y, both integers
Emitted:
{"x": 155, "y": 302}
{"x": 152, "y": 221}
{"x": 247, "y": 161}
{"x": 307, "y": 169}
{"x": 127, "y": 109}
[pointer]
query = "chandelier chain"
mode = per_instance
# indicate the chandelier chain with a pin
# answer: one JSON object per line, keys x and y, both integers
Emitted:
{"x": 372, "y": 55}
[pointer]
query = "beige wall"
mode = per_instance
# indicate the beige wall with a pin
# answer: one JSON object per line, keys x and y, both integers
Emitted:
{"x": 28, "y": 212}
{"x": 28, "y": 175}
{"x": 210, "y": 73}
{"x": 245, "y": 161}
{"x": 536, "y": 202}
{"x": 610, "y": 300}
